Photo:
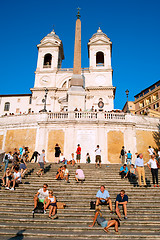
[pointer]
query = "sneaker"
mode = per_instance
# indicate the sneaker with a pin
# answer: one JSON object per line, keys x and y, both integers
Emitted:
{"x": 154, "y": 185}
{"x": 120, "y": 219}
{"x": 111, "y": 212}
{"x": 7, "y": 188}
{"x": 157, "y": 185}
{"x": 44, "y": 211}
{"x": 125, "y": 218}
{"x": 12, "y": 189}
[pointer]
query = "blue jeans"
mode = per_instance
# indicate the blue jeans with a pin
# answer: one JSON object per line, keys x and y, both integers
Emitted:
{"x": 6, "y": 161}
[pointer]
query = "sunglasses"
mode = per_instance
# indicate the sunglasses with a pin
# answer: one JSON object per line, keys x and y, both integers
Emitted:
{"x": 50, "y": 192}
{"x": 44, "y": 187}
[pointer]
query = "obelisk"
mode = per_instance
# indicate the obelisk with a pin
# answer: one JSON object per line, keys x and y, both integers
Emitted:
{"x": 76, "y": 93}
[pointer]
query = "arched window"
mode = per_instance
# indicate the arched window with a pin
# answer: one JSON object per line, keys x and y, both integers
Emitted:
{"x": 7, "y": 106}
{"x": 47, "y": 60}
{"x": 99, "y": 59}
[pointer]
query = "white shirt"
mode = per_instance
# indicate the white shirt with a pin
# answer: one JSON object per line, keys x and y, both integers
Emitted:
{"x": 98, "y": 151}
{"x": 151, "y": 151}
{"x": 159, "y": 154}
{"x": 153, "y": 163}
{"x": 17, "y": 175}
{"x": 42, "y": 194}
{"x": 65, "y": 171}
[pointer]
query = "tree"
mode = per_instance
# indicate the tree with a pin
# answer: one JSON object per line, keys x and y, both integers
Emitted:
{"x": 156, "y": 136}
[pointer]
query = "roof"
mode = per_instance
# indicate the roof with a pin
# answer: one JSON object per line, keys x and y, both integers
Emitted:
{"x": 16, "y": 95}
{"x": 156, "y": 83}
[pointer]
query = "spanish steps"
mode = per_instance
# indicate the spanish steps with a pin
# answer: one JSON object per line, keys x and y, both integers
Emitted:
{"x": 17, "y": 222}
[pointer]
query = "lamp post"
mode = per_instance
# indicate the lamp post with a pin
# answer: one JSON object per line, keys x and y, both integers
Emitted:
{"x": 127, "y": 92}
{"x": 44, "y": 100}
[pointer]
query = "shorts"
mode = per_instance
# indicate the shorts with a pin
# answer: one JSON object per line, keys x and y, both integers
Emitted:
{"x": 103, "y": 202}
{"x": 98, "y": 158}
{"x": 53, "y": 204}
{"x": 41, "y": 165}
{"x": 104, "y": 224}
{"x": 78, "y": 157}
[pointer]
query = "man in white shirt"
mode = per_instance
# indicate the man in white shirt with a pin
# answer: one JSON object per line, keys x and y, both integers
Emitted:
{"x": 17, "y": 177}
{"x": 151, "y": 151}
{"x": 41, "y": 195}
{"x": 98, "y": 156}
{"x": 139, "y": 166}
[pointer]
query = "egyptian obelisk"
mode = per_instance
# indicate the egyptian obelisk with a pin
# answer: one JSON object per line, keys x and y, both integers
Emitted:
{"x": 76, "y": 93}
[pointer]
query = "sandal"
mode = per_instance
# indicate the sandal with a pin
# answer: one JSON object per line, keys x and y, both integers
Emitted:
{"x": 105, "y": 230}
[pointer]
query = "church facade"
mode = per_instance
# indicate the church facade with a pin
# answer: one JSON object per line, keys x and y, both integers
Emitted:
{"x": 73, "y": 106}
{"x": 97, "y": 79}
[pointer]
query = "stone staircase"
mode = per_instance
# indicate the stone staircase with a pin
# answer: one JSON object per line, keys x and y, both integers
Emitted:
{"x": 16, "y": 221}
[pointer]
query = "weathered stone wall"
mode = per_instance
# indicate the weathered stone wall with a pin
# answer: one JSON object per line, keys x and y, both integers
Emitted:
{"x": 20, "y": 137}
{"x": 115, "y": 143}
{"x": 54, "y": 136}
{"x": 144, "y": 140}
{"x": 1, "y": 141}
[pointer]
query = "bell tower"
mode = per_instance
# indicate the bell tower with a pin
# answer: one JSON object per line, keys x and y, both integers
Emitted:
{"x": 50, "y": 56}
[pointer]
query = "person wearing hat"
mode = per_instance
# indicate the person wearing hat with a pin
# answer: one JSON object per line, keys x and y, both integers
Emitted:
{"x": 103, "y": 222}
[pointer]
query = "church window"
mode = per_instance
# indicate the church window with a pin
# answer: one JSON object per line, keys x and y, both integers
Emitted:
{"x": 7, "y": 106}
{"x": 99, "y": 59}
{"x": 47, "y": 60}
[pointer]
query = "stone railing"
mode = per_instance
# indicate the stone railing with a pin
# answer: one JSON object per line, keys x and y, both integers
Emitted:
{"x": 86, "y": 115}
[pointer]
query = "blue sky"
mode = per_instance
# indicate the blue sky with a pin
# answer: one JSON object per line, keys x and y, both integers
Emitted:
{"x": 132, "y": 25}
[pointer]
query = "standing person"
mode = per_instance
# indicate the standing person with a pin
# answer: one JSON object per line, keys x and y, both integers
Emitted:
{"x": 139, "y": 166}
{"x": 129, "y": 157}
{"x": 98, "y": 156}
{"x": 57, "y": 153}
{"x": 78, "y": 152}
{"x": 103, "y": 222}
{"x": 41, "y": 163}
{"x": 23, "y": 167}
{"x": 154, "y": 169}
{"x": 122, "y": 200}
{"x": 88, "y": 158}
{"x": 6, "y": 159}
{"x": 151, "y": 151}
{"x": 79, "y": 174}
{"x": 103, "y": 198}
{"x": 123, "y": 155}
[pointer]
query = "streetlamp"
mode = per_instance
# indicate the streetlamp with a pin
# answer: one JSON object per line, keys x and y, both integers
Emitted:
{"x": 127, "y": 92}
{"x": 44, "y": 100}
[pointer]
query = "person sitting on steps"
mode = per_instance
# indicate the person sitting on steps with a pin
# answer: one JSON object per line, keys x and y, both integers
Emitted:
{"x": 50, "y": 202}
{"x": 59, "y": 175}
{"x": 103, "y": 198}
{"x": 41, "y": 195}
{"x": 121, "y": 200}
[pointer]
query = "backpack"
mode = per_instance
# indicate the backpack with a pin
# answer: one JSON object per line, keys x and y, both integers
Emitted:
{"x": 92, "y": 205}
{"x": 6, "y": 157}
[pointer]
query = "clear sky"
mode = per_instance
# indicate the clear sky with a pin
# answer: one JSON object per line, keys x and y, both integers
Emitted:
{"x": 132, "y": 25}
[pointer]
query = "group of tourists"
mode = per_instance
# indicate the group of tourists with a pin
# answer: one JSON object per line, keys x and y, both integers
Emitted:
{"x": 103, "y": 198}
{"x": 138, "y": 167}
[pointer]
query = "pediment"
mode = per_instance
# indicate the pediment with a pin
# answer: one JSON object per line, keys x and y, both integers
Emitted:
{"x": 48, "y": 44}
{"x": 99, "y": 41}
